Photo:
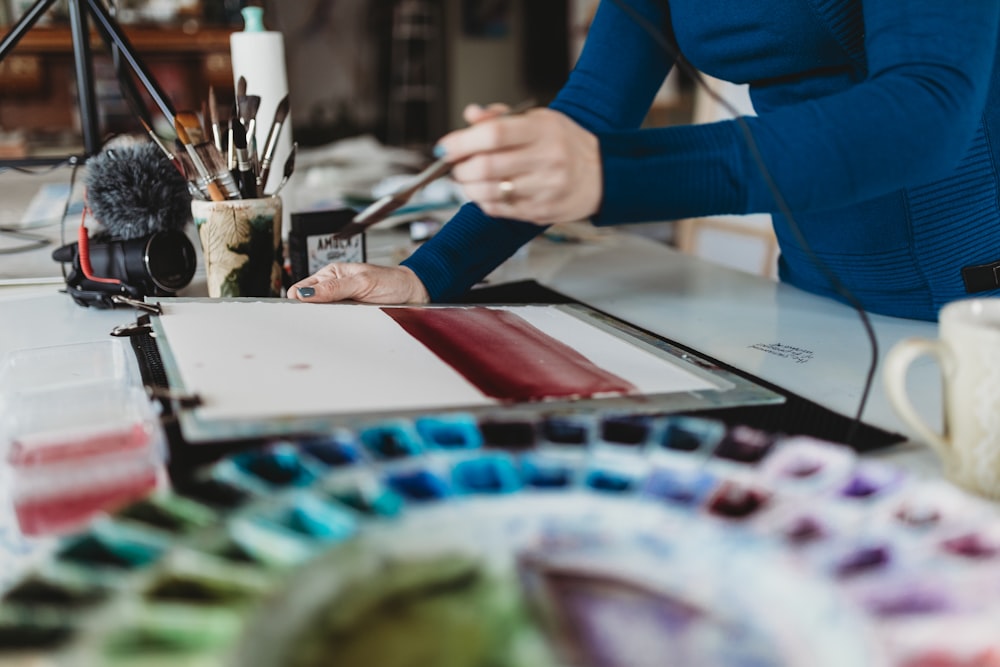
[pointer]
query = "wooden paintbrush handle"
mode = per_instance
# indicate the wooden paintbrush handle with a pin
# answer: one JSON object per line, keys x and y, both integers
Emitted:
{"x": 214, "y": 192}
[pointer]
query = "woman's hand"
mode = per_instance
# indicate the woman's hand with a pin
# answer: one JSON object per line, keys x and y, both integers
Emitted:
{"x": 539, "y": 166}
{"x": 367, "y": 283}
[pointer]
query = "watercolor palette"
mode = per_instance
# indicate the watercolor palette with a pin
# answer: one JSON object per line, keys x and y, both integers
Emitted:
{"x": 462, "y": 540}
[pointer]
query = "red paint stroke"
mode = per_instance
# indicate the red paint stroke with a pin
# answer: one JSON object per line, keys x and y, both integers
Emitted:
{"x": 505, "y": 356}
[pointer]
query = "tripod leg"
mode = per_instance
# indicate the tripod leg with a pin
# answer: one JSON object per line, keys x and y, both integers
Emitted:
{"x": 84, "y": 66}
{"x": 23, "y": 25}
{"x": 112, "y": 34}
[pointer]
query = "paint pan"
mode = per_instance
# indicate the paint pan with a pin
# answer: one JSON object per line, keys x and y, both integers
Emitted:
{"x": 419, "y": 484}
{"x": 113, "y": 546}
{"x": 550, "y": 470}
{"x": 743, "y": 444}
{"x": 810, "y": 529}
{"x": 871, "y": 481}
{"x": 189, "y": 577}
{"x": 806, "y": 466}
{"x": 511, "y": 434}
{"x": 277, "y": 466}
{"x": 210, "y": 490}
{"x": 737, "y": 501}
{"x": 450, "y": 432}
{"x": 172, "y": 634}
{"x": 488, "y": 474}
{"x": 904, "y": 596}
{"x": 35, "y": 630}
{"x": 930, "y": 508}
{"x": 804, "y": 529}
{"x": 336, "y": 450}
{"x": 688, "y": 435}
{"x": 614, "y": 473}
{"x": 566, "y": 431}
{"x": 626, "y": 430}
{"x": 685, "y": 486}
{"x": 171, "y": 513}
{"x": 391, "y": 441}
{"x": 864, "y": 558}
{"x": 314, "y": 518}
{"x": 979, "y": 545}
{"x": 365, "y": 494}
{"x": 267, "y": 543}
{"x": 58, "y": 589}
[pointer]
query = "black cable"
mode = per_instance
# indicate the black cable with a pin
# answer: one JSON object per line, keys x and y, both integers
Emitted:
{"x": 34, "y": 241}
{"x": 783, "y": 208}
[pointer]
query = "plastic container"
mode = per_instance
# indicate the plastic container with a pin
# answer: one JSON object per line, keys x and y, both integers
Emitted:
{"x": 58, "y": 366}
{"x": 77, "y": 434}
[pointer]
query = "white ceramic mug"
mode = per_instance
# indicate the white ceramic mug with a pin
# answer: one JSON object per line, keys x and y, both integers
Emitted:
{"x": 968, "y": 351}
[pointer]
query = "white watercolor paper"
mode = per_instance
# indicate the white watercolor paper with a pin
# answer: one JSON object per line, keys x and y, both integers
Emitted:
{"x": 277, "y": 360}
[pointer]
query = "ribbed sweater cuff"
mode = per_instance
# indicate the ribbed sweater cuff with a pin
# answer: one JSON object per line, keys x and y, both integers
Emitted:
{"x": 671, "y": 173}
{"x": 466, "y": 249}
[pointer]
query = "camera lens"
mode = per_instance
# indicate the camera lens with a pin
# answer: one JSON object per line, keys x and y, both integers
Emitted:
{"x": 170, "y": 260}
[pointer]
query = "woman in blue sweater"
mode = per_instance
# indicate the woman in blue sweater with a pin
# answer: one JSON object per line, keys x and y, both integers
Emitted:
{"x": 879, "y": 121}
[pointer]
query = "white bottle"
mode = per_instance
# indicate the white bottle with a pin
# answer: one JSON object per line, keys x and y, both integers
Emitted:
{"x": 258, "y": 55}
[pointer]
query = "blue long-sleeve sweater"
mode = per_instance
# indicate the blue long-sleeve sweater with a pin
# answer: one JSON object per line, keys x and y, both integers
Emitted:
{"x": 879, "y": 121}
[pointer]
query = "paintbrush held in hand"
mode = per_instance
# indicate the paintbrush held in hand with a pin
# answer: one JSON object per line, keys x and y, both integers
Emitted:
{"x": 390, "y": 203}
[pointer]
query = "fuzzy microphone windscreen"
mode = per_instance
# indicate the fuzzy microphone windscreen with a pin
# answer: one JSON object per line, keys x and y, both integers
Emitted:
{"x": 133, "y": 190}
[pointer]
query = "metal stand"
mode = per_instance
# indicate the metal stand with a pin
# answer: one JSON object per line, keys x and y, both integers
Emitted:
{"x": 121, "y": 48}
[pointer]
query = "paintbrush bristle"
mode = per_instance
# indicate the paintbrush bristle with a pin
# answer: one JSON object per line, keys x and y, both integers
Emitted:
{"x": 282, "y": 111}
{"x": 242, "y": 110}
{"x": 192, "y": 126}
{"x": 213, "y": 107}
{"x": 204, "y": 118}
{"x": 253, "y": 105}
{"x": 241, "y": 87}
{"x": 239, "y": 136}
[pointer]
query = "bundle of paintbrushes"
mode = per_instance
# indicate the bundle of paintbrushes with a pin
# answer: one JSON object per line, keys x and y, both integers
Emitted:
{"x": 218, "y": 154}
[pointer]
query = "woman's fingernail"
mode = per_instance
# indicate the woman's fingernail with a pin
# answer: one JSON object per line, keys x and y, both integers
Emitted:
{"x": 439, "y": 151}
{"x": 307, "y": 292}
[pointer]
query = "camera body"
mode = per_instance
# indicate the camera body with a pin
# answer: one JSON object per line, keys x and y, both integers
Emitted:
{"x": 158, "y": 264}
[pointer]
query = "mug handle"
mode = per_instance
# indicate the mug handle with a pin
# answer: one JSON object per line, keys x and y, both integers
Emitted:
{"x": 897, "y": 362}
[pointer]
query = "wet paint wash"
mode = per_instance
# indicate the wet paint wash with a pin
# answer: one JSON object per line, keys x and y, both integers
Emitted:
{"x": 505, "y": 356}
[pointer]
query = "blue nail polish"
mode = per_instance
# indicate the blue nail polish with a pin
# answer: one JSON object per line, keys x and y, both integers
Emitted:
{"x": 439, "y": 151}
{"x": 307, "y": 292}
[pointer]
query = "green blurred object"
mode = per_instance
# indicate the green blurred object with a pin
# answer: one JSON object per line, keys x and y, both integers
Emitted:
{"x": 445, "y": 611}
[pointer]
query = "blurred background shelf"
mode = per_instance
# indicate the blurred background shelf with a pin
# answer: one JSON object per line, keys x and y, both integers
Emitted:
{"x": 39, "y": 94}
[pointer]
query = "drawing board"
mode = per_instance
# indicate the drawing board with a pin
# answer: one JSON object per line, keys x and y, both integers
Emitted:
{"x": 266, "y": 367}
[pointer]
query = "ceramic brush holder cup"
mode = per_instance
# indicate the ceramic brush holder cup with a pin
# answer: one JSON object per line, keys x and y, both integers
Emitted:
{"x": 241, "y": 245}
